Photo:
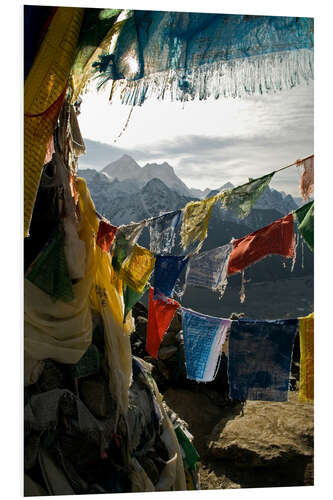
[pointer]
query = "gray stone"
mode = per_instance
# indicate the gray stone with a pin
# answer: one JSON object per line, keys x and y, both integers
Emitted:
{"x": 267, "y": 433}
{"x": 167, "y": 352}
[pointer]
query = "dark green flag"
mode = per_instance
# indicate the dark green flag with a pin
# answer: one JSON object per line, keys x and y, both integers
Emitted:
{"x": 131, "y": 297}
{"x": 305, "y": 219}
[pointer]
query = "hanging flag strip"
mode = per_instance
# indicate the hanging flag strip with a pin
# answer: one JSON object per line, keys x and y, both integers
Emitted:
{"x": 305, "y": 219}
{"x": 160, "y": 314}
{"x": 126, "y": 238}
{"x": 204, "y": 337}
{"x": 137, "y": 268}
{"x": 131, "y": 297}
{"x": 49, "y": 272}
{"x": 195, "y": 221}
{"x": 276, "y": 238}
{"x": 106, "y": 235}
{"x": 259, "y": 359}
{"x": 241, "y": 199}
{"x": 167, "y": 270}
{"x": 162, "y": 232}
{"x": 306, "y": 340}
{"x": 209, "y": 269}
{"x": 307, "y": 179}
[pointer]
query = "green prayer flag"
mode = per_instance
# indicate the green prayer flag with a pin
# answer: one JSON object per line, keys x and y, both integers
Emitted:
{"x": 191, "y": 454}
{"x": 50, "y": 272}
{"x": 241, "y": 199}
{"x": 305, "y": 219}
{"x": 131, "y": 297}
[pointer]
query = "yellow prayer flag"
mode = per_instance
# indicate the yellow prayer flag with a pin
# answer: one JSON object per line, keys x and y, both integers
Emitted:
{"x": 137, "y": 268}
{"x": 43, "y": 96}
{"x": 195, "y": 221}
{"x": 306, "y": 339}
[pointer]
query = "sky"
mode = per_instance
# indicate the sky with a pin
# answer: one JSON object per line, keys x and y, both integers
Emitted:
{"x": 208, "y": 143}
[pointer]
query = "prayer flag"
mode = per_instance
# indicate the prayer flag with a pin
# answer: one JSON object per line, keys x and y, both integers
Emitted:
{"x": 137, "y": 268}
{"x": 162, "y": 232}
{"x": 305, "y": 219}
{"x": 241, "y": 199}
{"x": 126, "y": 238}
{"x": 167, "y": 270}
{"x": 106, "y": 235}
{"x": 131, "y": 297}
{"x": 276, "y": 238}
{"x": 260, "y": 358}
{"x": 307, "y": 179}
{"x": 160, "y": 314}
{"x": 195, "y": 221}
{"x": 49, "y": 272}
{"x": 306, "y": 340}
{"x": 209, "y": 269}
{"x": 204, "y": 337}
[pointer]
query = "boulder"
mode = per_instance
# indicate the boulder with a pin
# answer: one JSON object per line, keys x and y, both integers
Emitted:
{"x": 265, "y": 434}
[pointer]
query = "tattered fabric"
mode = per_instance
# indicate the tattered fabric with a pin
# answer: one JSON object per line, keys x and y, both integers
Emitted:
{"x": 49, "y": 272}
{"x": 276, "y": 238}
{"x": 208, "y": 55}
{"x": 131, "y": 297}
{"x": 260, "y": 359}
{"x": 162, "y": 232}
{"x": 106, "y": 235}
{"x": 195, "y": 221}
{"x": 305, "y": 219}
{"x": 137, "y": 268}
{"x": 44, "y": 93}
{"x": 209, "y": 269}
{"x": 306, "y": 340}
{"x": 307, "y": 178}
{"x": 204, "y": 337}
{"x": 59, "y": 330}
{"x": 126, "y": 238}
{"x": 166, "y": 272}
{"x": 241, "y": 199}
{"x": 160, "y": 314}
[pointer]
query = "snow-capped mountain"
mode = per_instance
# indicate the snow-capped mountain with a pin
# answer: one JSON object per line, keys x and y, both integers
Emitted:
{"x": 127, "y": 168}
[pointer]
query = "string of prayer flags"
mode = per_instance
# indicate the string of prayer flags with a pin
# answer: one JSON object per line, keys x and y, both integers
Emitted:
{"x": 167, "y": 271}
{"x": 49, "y": 272}
{"x": 137, "y": 268}
{"x": 162, "y": 232}
{"x": 306, "y": 340}
{"x": 276, "y": 238}
{"x": 131, "y": 297}
{"x": 204, "y": 337}
{"x": 209, "y": 269}
{"x": 307, "y": 178}
{"x": 160, "y": 313}
{"x": 241, "y": 199}
{"x": 106, "y": 235}
{"x": 259, "y": 359}
{"x": 305, "y": 219}
{"x": 195, "y": 221}
{"x": 126, "y": 238}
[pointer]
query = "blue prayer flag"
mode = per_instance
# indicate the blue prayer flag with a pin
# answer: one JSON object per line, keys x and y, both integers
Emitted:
{"x": 260, "y": 358}
{"x": 204, "y": 337}
{"x": 167, "y": 270}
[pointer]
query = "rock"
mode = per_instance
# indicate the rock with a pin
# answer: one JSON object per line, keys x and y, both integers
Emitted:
{"x": 141, "y": 327}
{"x": 162, "y": 367}
{"x": 169, "y": 338}
{"x": 167, "y": 352}
{"x": 176, "y": 323}
{"x": 267, "y": 434}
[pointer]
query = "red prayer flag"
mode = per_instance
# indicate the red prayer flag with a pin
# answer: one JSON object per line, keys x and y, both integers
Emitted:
{"x": 106, "y": 234}
{"x": 277, "y": 238}
{"x": 160, "y": 313}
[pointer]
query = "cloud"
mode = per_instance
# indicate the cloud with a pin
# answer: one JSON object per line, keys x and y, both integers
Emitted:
{"x": 261, "y": 135}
